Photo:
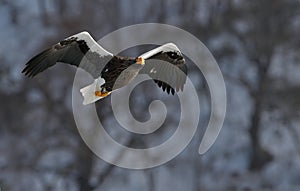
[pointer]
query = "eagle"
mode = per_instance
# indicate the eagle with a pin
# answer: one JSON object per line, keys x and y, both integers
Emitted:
{"x": 110, "y": 71}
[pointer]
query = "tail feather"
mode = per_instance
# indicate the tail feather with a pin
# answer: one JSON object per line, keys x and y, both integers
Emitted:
{"x": 88, "y": 92}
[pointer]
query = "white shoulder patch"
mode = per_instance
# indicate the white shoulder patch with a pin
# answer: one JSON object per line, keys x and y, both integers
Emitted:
{"x": 92, "y": 44}
{"x": 169, "y": 47}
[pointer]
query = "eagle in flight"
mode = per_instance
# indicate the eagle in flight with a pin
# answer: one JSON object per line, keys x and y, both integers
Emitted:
{"x": 112, "y": 71}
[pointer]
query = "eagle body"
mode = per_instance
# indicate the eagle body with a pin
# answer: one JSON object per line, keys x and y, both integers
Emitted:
{"x": 110, "y": 71}
{"x": 119, "y": 71}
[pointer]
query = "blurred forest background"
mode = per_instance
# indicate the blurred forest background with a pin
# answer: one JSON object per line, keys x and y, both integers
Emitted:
{"x": 256, "y": 44}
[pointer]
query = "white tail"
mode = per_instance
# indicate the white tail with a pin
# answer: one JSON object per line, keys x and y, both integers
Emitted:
{"x": 88, "y": 92}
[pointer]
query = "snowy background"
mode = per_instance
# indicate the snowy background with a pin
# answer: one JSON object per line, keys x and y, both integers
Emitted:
{"x": 256, "y": 44}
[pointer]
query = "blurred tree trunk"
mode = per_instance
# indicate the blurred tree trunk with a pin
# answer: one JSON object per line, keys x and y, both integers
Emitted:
{"x": 259, "y": 156}
{"x": 267, "y": 24}
{"x": 43, "y": 12}
{"x": 13, "y": 11}
{"x": 85, "y": 165}
{"x": 61, "y": 7}
{"x": 163, "y": 10}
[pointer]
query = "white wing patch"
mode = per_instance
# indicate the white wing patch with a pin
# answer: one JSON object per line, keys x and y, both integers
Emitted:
{"x": 169, "y": 47}
{"x": 153, "y": 71}
{"x": 92, "y": 44}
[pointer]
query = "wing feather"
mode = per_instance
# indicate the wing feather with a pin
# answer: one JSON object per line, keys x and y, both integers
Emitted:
{"x": 79, "y": 50}
{"x": 167, "y": 67}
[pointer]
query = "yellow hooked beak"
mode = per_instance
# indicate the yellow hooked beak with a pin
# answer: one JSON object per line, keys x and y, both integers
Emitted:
{"x": 140, "y": 60}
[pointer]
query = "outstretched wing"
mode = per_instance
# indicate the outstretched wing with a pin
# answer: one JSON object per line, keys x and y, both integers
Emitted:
{"x": 71, "y": 51}
{"x": 168, "y": 68}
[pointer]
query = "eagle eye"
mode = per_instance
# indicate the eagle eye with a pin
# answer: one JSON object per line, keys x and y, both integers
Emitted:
{"x": 173, "y": 55}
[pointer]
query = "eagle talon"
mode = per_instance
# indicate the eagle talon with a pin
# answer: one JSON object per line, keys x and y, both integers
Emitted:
{"x": 101, "y": 94}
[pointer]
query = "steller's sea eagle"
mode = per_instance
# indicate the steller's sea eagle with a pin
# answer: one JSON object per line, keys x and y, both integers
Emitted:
{"x": 111, "y": 71}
